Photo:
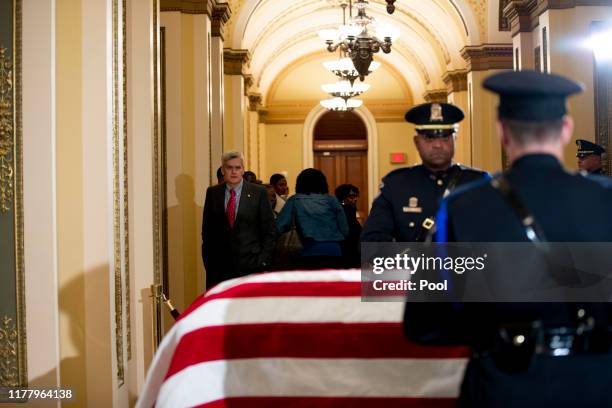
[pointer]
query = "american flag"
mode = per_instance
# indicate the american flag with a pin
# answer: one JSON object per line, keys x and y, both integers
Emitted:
{"x": 298, "y": 339}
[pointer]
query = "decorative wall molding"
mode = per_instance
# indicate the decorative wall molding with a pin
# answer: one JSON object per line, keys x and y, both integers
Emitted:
{"x": 254, "y": 101}
{"x": 488, "y": 56}
{"x": 519, "y": 15}
{"x": 188, "y": 6}
{"x": 436, "y": 95}
{"x": 504, "y": 23}
{"x": 602, "y": 85}
{"x": 456, "y": 81}
{"x": 221, "y": 14}
{"x": 13, "y": 350}
{"x": 6, "y": 131}
{"x": 235, "y": 60}
{"x": 248, "y": 82}
{"x": 9, "y": 368}
{"x": 523, "y": 15}
{"x": 262, "y": 115}
{"x": 480, "y": 8}
{"x": 159, "y": 185}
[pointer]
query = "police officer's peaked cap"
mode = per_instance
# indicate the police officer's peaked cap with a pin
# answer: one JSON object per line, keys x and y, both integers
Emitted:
{"x": 434, "y": 116}
{"x": 586, "y": 148}
{"x": 531, "y": 96}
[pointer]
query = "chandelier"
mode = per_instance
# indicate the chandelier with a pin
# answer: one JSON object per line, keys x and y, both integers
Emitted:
{"x": 341, "y": 104}
{"x": 357, "y": 42}
{"x": 390, "y": 6}
{"x": 344, "y": 68}
{"x": 344, "y": 89}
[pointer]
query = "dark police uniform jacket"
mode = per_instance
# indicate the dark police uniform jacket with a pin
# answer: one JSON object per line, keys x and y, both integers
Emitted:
{"x": 569, "y": 207}
{"x": 407, "y": 197}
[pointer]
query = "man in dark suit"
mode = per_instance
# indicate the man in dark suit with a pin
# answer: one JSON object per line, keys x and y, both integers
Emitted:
{"x": 404, "y": 209}
{"x": 238, "y": 227}
{"x": 527, "y": 354}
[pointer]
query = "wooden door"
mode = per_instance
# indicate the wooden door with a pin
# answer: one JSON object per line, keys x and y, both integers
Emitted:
{"x": 345, "y": 162}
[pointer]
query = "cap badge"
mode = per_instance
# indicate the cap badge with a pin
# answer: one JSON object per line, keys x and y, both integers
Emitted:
{"x": 436, "y": 113}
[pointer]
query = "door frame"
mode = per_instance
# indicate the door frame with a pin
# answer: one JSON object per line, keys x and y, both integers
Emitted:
{"x": 372, "y": 134}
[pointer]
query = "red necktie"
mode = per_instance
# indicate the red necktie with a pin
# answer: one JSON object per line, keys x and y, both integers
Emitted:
{"x": 230, "y": 211}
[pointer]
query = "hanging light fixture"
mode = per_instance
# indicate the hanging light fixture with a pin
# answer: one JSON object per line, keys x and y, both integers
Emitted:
{"x": 390, "y": 6}
{"x": 344, "y": 89}
{"x": 344, "y": 68}
{"x": 356, "y": 41}
{"x": 341, "y": 104}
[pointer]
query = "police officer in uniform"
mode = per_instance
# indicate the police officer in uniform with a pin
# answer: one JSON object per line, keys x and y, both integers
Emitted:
{"x": 567, "y": 361}
{"x": 409, "y": 197}
{"x": 589, "y": 156}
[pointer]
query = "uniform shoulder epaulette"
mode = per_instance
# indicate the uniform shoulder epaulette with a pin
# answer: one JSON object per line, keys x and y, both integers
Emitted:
{"x": 402, "y": 171}
{"x": 466, "y": 168}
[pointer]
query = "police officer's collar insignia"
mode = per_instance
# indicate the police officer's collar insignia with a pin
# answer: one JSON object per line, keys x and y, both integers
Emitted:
{"x": 436, "y": 113}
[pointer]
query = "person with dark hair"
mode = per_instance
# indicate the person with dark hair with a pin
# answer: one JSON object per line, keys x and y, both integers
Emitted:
{"x": 347, "y": 195}
{"x": 271, "y": 197}
{"x": 250, "y": 177}
{"x": 220, "y": 175}
{"x": 279, "y": 182}
{"x": 319, "y": 219}
{"x": 539, "y": 353}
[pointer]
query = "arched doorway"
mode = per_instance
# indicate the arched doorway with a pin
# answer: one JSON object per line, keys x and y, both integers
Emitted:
{"x": 340, "y": 151}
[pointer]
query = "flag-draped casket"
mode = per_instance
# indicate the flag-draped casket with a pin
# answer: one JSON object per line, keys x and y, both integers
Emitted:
{"x": 298, "y": 339}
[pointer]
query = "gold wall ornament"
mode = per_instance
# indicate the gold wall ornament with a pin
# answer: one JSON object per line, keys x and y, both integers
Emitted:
{"x": 117, "y": 199}
{"x": 126, "y": 220}
{"x": 159, "y": 184}
{"x": 9, "y": 373}
{"x": 6, "y": 130}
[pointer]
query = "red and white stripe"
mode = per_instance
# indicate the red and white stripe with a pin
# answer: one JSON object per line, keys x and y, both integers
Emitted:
{"x": 298, "y": 339}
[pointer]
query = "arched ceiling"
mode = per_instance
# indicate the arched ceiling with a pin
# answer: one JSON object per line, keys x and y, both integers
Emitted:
{"x": 280, "y": 34}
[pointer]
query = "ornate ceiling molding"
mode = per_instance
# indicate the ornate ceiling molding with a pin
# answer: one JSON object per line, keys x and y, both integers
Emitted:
{"x": 254, "y": 101}
{"x": 221, "y": 14}
{"x": 188, "y": 6}
{"x": 248, "y": 82}
{"x": 436, "y": 95}
{"x": 235, "y": 60}
{"x": 519, "y": 15}
{"x": 479, "y": 7}
{"x": 456, "y": 81}
{"x": 523, "y": 15}
{"x": 488, "y": 56}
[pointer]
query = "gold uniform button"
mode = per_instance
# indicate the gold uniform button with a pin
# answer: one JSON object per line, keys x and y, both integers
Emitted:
{"x": 440, "y": 182}
{"x": 411, "y": 225}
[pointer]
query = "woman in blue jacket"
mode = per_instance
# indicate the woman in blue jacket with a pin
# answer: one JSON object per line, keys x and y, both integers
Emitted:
{"x": 319, "y": 218}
